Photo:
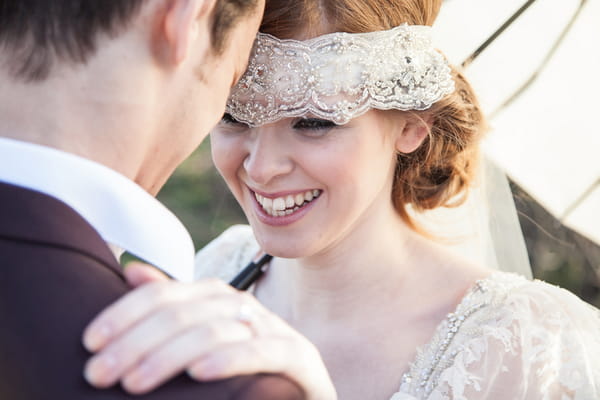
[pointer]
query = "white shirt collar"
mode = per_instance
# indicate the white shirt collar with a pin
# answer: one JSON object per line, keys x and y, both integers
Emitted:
{"x": 122, "y": 212}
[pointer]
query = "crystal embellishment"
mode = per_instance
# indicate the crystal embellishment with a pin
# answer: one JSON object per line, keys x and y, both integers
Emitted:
{"x": 340, "y": 76}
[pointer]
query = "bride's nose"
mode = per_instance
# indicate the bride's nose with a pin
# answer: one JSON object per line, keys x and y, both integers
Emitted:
{"x": 269, "y": 156}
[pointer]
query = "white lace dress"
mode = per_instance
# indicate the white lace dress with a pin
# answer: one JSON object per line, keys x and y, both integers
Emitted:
{"x": 509, "y": 338}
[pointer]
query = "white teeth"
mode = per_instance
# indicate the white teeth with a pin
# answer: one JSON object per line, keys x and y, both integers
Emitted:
{"x": 282, "y": 206}
{"x": 289, "y": 202}
{"x": 279, "y": 204}
{"x": 267, "y": 203}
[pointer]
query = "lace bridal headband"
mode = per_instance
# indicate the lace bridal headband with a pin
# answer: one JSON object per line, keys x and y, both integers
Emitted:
{"x": 340, "y": 76}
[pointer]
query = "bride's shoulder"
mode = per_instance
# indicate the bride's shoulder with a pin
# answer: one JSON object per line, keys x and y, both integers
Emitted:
{"x": 543, "y": 339}
{"x": 534, "y": 316}
{"x": 227, "y": 254}
{"x": 532, "y": 305}
{"x": 534, "y": 297}
{"x": 513, "y": 314}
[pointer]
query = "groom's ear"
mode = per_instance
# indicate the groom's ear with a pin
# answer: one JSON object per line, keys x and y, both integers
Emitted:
{"x": 185, "y": 27}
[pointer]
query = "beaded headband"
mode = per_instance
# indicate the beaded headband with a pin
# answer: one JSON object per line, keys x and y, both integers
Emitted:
{"x": 340, "y": 76}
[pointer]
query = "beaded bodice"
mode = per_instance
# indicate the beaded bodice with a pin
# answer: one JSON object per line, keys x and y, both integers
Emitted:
{"x": 440, "y": 353}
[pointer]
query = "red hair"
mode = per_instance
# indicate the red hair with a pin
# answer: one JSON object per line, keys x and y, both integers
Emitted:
{"x": 440, "y": 171}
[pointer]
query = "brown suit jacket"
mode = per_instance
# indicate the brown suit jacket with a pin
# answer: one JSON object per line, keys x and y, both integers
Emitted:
{"x": 56, "y": 274}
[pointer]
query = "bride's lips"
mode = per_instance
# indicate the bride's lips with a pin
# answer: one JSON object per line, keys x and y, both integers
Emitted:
{"x": 280, "y": 209}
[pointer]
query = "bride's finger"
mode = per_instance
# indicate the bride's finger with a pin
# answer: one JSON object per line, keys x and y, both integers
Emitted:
{"x": 286, "y": 355}
{"x": 125, "y": 351}
{"x": 138, "y": 304}
{"x": 174, "y": 356}
{"x": 260, "y": 355}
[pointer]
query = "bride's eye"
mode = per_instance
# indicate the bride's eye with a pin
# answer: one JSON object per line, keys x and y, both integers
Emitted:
{"x": 314, "y": 126}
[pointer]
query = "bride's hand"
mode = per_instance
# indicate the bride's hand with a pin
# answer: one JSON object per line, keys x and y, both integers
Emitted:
{"x": 207, "y": 328}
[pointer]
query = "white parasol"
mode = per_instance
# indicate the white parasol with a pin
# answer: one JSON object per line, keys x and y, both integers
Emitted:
{"x": 539, "y": 83}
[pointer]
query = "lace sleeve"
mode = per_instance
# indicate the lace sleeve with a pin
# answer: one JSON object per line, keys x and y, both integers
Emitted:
{"x": 226, "y": 255}
{"x": 538, "y": 342}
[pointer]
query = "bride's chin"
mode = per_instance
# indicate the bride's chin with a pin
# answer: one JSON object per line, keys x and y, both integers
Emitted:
{"x": 285, "y": 254}
{"x": 279, "y": 252}
{"x": 279, "y": 248}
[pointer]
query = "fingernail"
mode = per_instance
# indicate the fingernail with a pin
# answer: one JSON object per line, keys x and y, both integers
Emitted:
{"x": 100, "y": 370}
{"x": 97, "y": 337}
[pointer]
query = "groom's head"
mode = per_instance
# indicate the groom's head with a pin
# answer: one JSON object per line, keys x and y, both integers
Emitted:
{"x": 42, "y": 34}
{"x": 168, "y": 63}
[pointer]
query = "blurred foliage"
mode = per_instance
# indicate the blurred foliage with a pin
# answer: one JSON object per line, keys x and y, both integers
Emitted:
{"x": 198, "y": 196}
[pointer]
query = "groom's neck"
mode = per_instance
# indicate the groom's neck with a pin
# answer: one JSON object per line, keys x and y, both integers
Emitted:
{"x": 101, "y": 117}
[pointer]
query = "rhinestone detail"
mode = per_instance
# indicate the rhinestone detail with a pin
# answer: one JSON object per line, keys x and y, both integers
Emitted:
{"x": 340, "y": 76}
{"x": 440, "y": 356}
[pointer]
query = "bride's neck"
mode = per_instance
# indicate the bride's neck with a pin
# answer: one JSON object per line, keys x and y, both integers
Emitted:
{"x": 347, "y": 280}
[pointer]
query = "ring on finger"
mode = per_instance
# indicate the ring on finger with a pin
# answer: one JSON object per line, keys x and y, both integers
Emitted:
{"x": 247, "y": 316}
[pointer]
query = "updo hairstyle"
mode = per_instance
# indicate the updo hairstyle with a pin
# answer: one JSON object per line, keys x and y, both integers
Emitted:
{"x": 439, "y": 172}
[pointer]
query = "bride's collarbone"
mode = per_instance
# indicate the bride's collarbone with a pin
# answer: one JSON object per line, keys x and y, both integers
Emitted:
{"x": 368, "y": 356}
{"x": 360, "y": 373}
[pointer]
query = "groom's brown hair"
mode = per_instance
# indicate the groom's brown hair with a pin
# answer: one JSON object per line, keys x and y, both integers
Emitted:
{"x": 34, "y": 34}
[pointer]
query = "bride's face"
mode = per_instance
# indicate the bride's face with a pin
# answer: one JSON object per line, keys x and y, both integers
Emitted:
{"x": 305, "y": 184}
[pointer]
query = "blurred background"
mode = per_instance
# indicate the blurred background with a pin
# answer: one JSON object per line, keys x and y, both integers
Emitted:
{"x": 534, "y": 65}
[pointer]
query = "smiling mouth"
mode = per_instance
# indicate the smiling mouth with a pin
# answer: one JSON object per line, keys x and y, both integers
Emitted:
{"x": 286, "y": 205}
